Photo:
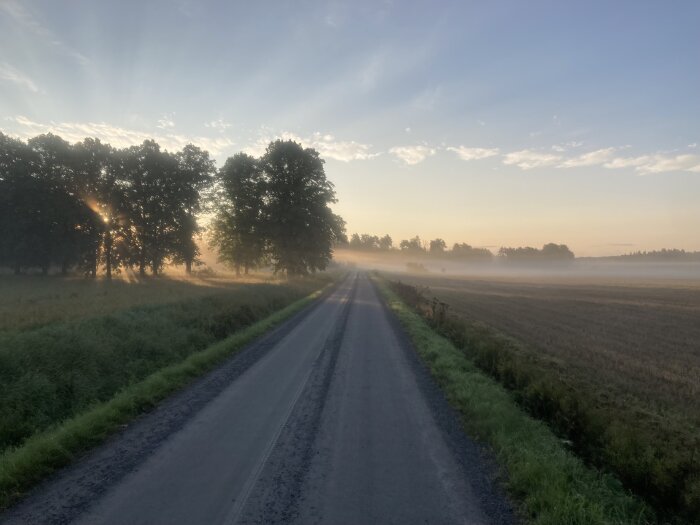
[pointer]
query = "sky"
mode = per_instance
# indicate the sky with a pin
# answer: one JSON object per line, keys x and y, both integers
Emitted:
{"x": 504, "y": 123}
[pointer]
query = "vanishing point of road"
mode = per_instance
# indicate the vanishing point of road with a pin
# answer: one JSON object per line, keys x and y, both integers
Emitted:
{"x": 331, "y": 418}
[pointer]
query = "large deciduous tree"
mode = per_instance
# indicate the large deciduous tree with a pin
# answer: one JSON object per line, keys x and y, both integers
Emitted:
{"x": 299, "y": 223}
{"x": 238, "y": 230}
{"x": 278, "y": 208}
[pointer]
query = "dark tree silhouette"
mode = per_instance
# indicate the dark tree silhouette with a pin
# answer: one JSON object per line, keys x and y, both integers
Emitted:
{"x": 437, "y": 247}
{"x": 238, "y": 230}
{"x": 299, "y": 224}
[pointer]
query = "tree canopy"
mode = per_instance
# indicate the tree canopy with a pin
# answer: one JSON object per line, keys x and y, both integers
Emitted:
{"x": 82, "y": 205}
{"x": 277, "y": 209}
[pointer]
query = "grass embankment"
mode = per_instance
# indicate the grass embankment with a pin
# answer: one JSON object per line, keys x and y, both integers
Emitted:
{"x": 30, "y": 301}
{"x": 621, "y": 398}
{"x": 67, "y": 386}
{"x": 553, "y": 485}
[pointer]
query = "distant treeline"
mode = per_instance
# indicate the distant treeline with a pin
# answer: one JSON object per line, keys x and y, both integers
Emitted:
{"x": 460, "y": 251}
{"x": 660, "y": 255}
{"x": 90, "y": 205}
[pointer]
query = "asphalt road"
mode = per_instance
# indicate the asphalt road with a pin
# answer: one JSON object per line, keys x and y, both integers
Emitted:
{"x": 330, "y": 419}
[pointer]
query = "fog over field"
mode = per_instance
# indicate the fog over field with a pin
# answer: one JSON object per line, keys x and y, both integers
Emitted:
{"x": 582, "y": 270}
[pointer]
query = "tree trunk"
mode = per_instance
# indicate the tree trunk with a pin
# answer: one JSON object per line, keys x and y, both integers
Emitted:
{"x": 64, "y": 268}
{"x": 108, "y": 255}
{"x": 18, "y": 269}
{"x": 188, "y": 266}
{"x": 238, "y": 270}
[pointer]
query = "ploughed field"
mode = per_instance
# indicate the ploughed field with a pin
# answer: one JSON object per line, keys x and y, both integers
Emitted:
{"x": 641, "y": 341}
{"x": 613, "y": 365}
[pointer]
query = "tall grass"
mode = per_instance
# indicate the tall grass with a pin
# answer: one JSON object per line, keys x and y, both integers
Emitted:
{"x": 54, "y": 372}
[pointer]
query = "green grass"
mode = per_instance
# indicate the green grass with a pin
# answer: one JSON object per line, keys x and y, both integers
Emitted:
{"x": 552, "y": 485}
{"x": 30, "y": 301}
{"x": 56, "y": 440}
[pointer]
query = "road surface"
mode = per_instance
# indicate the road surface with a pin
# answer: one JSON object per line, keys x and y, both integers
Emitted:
{"x": 329, "y": 419}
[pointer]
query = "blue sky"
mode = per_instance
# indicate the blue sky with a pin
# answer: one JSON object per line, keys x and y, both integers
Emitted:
{"x": 494, "y": 123}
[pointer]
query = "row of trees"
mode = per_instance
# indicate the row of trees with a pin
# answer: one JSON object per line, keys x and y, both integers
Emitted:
{"x": 549, "y": 252}
{"x": 90, "y": 205}
{"x": 663, "y": 255}
{"x": 459, "y": 251}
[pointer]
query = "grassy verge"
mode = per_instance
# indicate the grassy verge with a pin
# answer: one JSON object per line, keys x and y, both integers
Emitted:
{"x": 25, "y": 465}
{"x": 552, "y": 484}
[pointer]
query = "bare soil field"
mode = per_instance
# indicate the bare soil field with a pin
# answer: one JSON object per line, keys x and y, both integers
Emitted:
{"x": 613, "y": 365}
{"x": 640, "y": 340}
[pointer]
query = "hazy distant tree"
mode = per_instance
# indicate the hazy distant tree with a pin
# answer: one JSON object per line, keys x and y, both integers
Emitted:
{"x": 464, "y": 251}
{"x": 557, "y": 252}
{"x": 299, "y": 224}
{"x": 386, "y": 243}
{"x": 355, "y": 241}
{"x": 549, "y": 252}
{"x": 437, "y": 246}
{"x": 414, "y": 245}
{"x": 238, "y": 231}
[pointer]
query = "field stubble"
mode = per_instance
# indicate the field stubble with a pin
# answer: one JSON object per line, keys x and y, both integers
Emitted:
{"x": 614, "y": 367}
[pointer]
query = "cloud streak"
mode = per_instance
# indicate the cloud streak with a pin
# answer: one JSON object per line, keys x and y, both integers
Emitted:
{"x": 119, "y": 137}
{"x": 11, "y": 74}
{"x": 528, "y": 159}
{"x": 25, "y": 18}
{"x": 412, "y": 155}
{"x": 325, "y": 144}
{"x": 466, "y": 153}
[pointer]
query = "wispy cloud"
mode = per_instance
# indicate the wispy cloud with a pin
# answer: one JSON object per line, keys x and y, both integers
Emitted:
{"x": 412, "y": 154}
{"x": 11, "y": 74}
{"x": 219, "y": 124}
{"x": 166, "y": 122}
{"x": 22, "y": 16}
{"x": 119, "y": 137}
{"x": 592, "y": 158}
{"x": 662, "y": 162}
{"x": 325, "y": 144}
{"x": 657, "y": 163}
{"x": 466, "y": 153}
{"x": 528, "y": 159}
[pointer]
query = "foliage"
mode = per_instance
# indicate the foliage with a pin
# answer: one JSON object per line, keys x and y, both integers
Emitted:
{"x": 54, "y": 372}
{"x": 661, "y": 255}
{"x": 238, "y": 228}
{"x": 437, "y": 246}
{"x": 413, "y": 246}
{"x": 277, "y": 207}
{"x": 366, "y": 242}
{"x": 549, "y": 252}
{"x": 82, "y": 205}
